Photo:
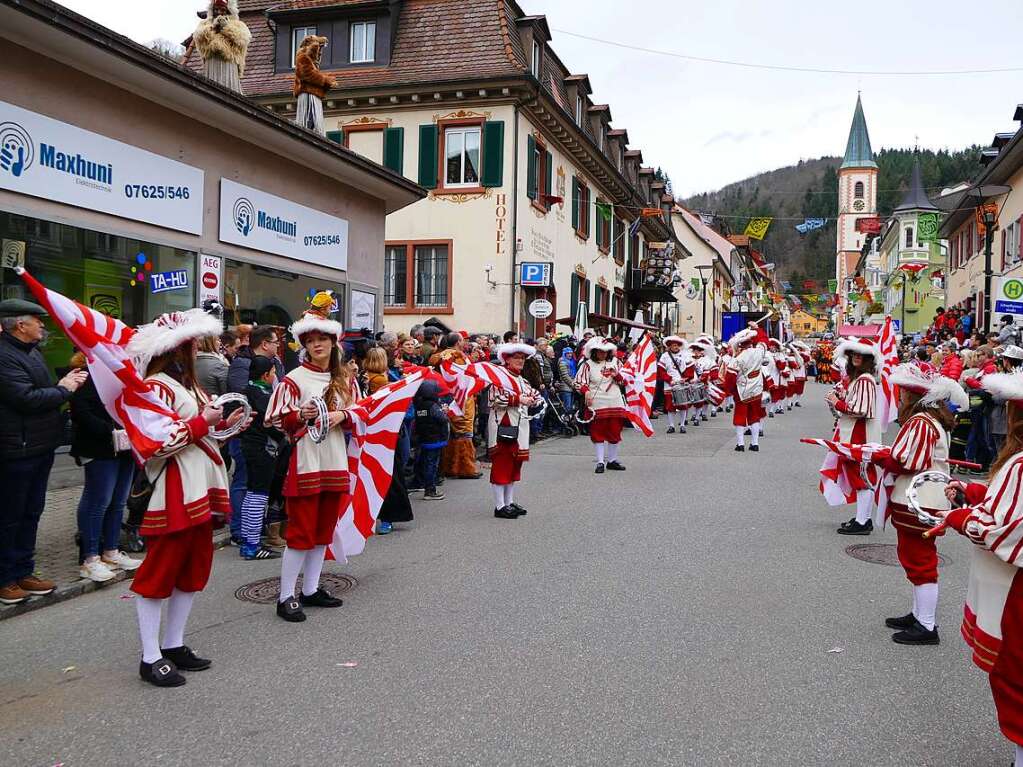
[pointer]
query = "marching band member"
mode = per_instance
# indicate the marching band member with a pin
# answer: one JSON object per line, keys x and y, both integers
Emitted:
{"x": 927, "y": 413}
{"x": 676, "y": 366}
{"x": 993, "y": 616}
{"x": 189, "y": 483}
{"x": 701, "y": 369}
{"x": 744, "y": 381}
{"x": 800, "y": 356}
{"x": 508, "y": 431}
{"x": 317, "y": 482}
{"x": 599, "y": 380}
{"x": 724, "y": 360}
{"x": 858, "y": 423}
{"x": 776, "y": 371}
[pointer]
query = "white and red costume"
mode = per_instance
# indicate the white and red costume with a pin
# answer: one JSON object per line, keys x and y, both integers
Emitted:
{"x": 800, "y": 357}
{"x": 506, "y": 455}
{"x": 600, "y": 384}
{"x": 744, "y": 381}
{"x": 677, "y": 369}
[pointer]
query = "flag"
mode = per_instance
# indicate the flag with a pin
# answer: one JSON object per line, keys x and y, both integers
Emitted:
{"x": 834, "y": 485}
{"x": 634, "y": 226}
{"x": 757, "y": 227}
{"x": 604, "y": 210}
{"x": 809, "y": 284}
{"x": 376, "y": 422}
{"x": 640, "y": 373}
{"x": 786, "y": 286}
{"x": 832, "y": 286}
{"x": 128, "y": 399}
{"x": 927, "y": 227}
{"x": 889, "y": 401}
{"x": 651, "y": 212}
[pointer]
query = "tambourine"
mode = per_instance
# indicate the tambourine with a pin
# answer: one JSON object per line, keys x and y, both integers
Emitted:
{"x": 320, "y": 425}
{"x": 581, "y": 415}
{"x": 232, "y": 398}
{"x": 529, "y": 416}
{"x": 912, "y": 499}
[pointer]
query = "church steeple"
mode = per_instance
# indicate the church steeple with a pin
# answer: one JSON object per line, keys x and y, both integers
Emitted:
{"x": 916, "y": 198}
{"x": 858, "y": 153}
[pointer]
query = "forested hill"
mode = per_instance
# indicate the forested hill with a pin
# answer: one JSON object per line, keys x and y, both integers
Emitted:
{"x": 810, "y": 190}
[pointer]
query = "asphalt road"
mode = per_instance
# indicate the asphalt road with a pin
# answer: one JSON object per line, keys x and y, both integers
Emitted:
{"x": 689, "y": 611}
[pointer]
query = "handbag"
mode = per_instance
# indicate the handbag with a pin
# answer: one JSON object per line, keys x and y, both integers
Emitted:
{"x": 508, "y": 433}
{"x": 140, "y": 494}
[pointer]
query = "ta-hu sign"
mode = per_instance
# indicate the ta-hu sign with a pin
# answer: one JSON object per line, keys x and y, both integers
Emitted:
{"x": 56, "y": 161}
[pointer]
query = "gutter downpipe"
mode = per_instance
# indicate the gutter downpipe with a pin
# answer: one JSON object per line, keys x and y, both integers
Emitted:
{"x": 515, "y": 217}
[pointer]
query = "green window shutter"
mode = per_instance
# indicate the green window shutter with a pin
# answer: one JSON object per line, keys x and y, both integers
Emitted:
{"x": 429, "y": 137}
{"x": 549, "y": 188}
{"x": 394, "y": 149}
{"x": 575, "y": 297}
{"x": 337, "y": 136}
{"x": 493, "y": 154}
{"x": 575, "y": 204}
{"x": 531, "y": 168}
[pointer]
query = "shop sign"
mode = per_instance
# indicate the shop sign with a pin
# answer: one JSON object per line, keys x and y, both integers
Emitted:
{"x": 536, "y": 274}
{"x": 56, "y": 161}
{"x": 541, "y": 308}
{"x": 211, "y": 277}
{"x": 254, "y": 219}
{"x": 162, "y": 282}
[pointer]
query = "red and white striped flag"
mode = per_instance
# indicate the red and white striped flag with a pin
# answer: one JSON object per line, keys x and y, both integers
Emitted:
{"x": 640, "y": 373}
{"x": 834, "y": 485}
{"x": 889, "y": 401}
{"x": 376, "y": 422}
{"x": 103, "y": 340}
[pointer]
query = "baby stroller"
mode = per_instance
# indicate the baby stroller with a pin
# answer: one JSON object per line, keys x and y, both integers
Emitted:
{"x": 559, "y": 418}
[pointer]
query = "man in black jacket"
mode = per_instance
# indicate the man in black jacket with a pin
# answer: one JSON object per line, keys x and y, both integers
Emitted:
{"x": 30, "y": 431}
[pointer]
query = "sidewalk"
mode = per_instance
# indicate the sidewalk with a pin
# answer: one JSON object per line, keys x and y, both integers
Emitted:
{"x": 57, "y": 554}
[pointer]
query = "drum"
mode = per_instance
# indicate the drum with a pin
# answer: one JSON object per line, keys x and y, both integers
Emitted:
{"x": 679, "y": 396}
{"x": 701, "y": 392}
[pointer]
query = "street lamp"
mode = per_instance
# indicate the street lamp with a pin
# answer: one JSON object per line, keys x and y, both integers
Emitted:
{"x": 704, "y": 280}
{"x": 982, "y": 193}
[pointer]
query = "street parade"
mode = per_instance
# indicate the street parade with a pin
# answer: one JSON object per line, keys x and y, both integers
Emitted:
{"x": 656, "y": 475}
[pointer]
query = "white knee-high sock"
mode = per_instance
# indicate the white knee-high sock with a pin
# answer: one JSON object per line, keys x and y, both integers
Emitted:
{"x": 755, "y": 434}
{"x": 509, "y": 493}
{"x": 601, "y": 449}
{"x": 1019, "y": 756}
{"x": 612, "y": 452}
{"x": 926, "y": 604}
{"x": 740, "y": 434}
{"x": 864, "y": 504}
{"x": 671, "y": 420}
{"x": 178, "y": 608}
{"x": 916, "y": 602}
{"x": 499, "y": 502}
{"x": 312, "y": 569}
{"x": 291, "y": 566}
{"x": 148, "y": 611}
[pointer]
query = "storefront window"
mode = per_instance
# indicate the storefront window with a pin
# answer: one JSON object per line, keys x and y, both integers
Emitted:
{"x": 260, "y": 295}
{"x": 109, "y": 273}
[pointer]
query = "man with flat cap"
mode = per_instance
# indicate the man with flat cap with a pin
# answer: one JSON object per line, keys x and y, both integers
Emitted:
{"x": 30, "y": 431}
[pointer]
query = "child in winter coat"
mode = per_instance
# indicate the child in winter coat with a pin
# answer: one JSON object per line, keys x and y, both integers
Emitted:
{"x": 432, "y": 429}
{"x": 259, "y": 444}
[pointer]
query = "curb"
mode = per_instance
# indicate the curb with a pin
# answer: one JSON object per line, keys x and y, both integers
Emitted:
{"x": 84, "y": 586}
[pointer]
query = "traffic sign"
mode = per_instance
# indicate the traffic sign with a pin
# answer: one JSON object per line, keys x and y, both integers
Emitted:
{"x": 536, "y": 274}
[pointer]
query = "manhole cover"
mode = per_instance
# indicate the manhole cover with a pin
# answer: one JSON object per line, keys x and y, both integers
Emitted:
{"x": 265, "y": 592}
{"x": 880, "y": 554}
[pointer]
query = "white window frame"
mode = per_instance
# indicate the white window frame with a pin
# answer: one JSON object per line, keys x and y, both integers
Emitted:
{"x": 463, "y": 131}
{"x": 1012, "y": 233}
{"x": 297, "y": 38}
{"x": 369, "y": 42}
{"x": 537, "y": 58}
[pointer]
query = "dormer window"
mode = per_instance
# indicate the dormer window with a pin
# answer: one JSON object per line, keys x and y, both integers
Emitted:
{"x": 600, "y": 139}
{"x": 537, "y": 53}
{"x": 298, "y": 34}
{"x": 363, "y": 43}
{"x": 579, "y": 110}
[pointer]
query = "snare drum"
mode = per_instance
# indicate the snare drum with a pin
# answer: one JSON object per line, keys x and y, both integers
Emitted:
{"x": 679, "y": 396}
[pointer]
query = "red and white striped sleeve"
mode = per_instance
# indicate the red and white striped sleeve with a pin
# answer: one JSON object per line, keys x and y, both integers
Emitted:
{"x": 914, "y": 446}
{"x": 997, "y": 523}
{"x": 184, "y": 432}
{"x": 861, "y": 399}
{"x": 582, "y": 378}
{"x": 285, "y": 403}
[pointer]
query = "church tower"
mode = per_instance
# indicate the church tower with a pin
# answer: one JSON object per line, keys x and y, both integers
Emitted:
{"x": 857, "y": 198}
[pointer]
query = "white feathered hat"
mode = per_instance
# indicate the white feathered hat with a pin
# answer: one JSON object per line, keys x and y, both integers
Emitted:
{"x": 504, "y": 351}
{"x": 169, "y": 331}
{"x": 856, "y": 346}
{"x": 675, "y": 340}
{"x": 1007, "y": 387}
{"x": 744, "y": 336}
{"x": 317, "y": 317}
{"x": 702, "y": 346}
{"x": 936, "y": 389}
{"x": 598, "y": 344}
{"x": 800, "y": 345}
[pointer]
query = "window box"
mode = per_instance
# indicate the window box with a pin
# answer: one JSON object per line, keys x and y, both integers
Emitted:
{"x": 417, "y": 276}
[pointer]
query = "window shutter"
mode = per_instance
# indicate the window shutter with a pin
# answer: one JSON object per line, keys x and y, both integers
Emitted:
{"x": 586, "y": 292}
{"x": 1003, "y": 250}
{"x": 493, "y": 154}
{"x": 429, "y": 137}
{"x": 337, "y": 136}
{"x": 394, "y": 149}
{"x": 1019, "y": 236}
{"x": 531, "y": 168}
{"x": 575, "y": 204}
{"x": 549, "y": 186}
{"x": 575, "y": 297}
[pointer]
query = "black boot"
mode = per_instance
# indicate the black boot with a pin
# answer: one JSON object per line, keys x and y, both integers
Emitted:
{"x": 917, "y": 634}
{"x": 162, "y": 673}
{"x": 905, "y": 622}
{"x": 185, "y": 659}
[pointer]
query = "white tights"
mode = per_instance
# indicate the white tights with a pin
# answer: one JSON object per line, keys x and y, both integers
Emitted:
{"x": 671, "y": 419}
{"x": 925, "y": 604}
{"x": 1019, "y": 756}
{"x": 309, "y": 563}
{"x": 504, "y": 495}
{"x": 612, "y": 452}
{"x": 601, "y": 448}
{"x": 755, "y": 434}
{"x": 179, "y": 606}
{"x": 864, "y": 504}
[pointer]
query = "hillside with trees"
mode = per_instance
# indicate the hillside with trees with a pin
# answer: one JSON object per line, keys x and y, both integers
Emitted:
{"x": 810, "y": 190}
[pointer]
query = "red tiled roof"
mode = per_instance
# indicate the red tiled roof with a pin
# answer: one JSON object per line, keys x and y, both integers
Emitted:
{"x": 436, "y": 40}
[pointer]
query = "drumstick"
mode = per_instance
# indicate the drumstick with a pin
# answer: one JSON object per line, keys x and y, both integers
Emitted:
{"x": 939, "y": 528}
{"x": 965, "y": 464}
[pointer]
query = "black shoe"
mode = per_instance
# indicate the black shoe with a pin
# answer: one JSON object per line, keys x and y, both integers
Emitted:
{"x": 696, "y": 422}
{"x": 714, "y": 414}
{"x": 235, "y": 541}
{"x": 917, "y": 634}
{"x": 855, "y": 528}
{"x": 518, "y": 509}
{"x": 133, "y": 543}
{"x": 846, "y": 524}
{"x": 754, "y": 448}
{"x": 703, "y": 418}
{"x": 599, "y": 469}
{"x": 671, "y": 430}
{"x": 615, "y": 466}
{"x": 185, "y": 659}
{"x": 797, "y": 405}
{"x": 506, "y": 512}
{"x": 740, "y": 448}
{"x": 322, "y": 598}
{"x": 290, "y": 610}
{"x": 771, "y": 414}
{"x": 905, "y": 622}
{"x": 162, "y": 673}
{"x": 262, "y": 553}
{"x": 748, "y": 432}
{"x": 682, "y": 430}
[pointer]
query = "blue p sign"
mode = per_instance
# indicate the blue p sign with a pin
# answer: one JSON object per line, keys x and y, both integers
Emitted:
{"x": 535, "y": 274}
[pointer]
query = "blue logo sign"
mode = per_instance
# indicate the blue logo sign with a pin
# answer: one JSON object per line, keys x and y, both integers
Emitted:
{"x": 244, "y": 216}
{"x": 161, "y": 282}
{"x": 535, "y": 274}
{"x": 17, "y": 150}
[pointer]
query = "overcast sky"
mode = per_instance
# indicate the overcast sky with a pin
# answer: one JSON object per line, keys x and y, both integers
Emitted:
{"x": 709, "y": 124}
